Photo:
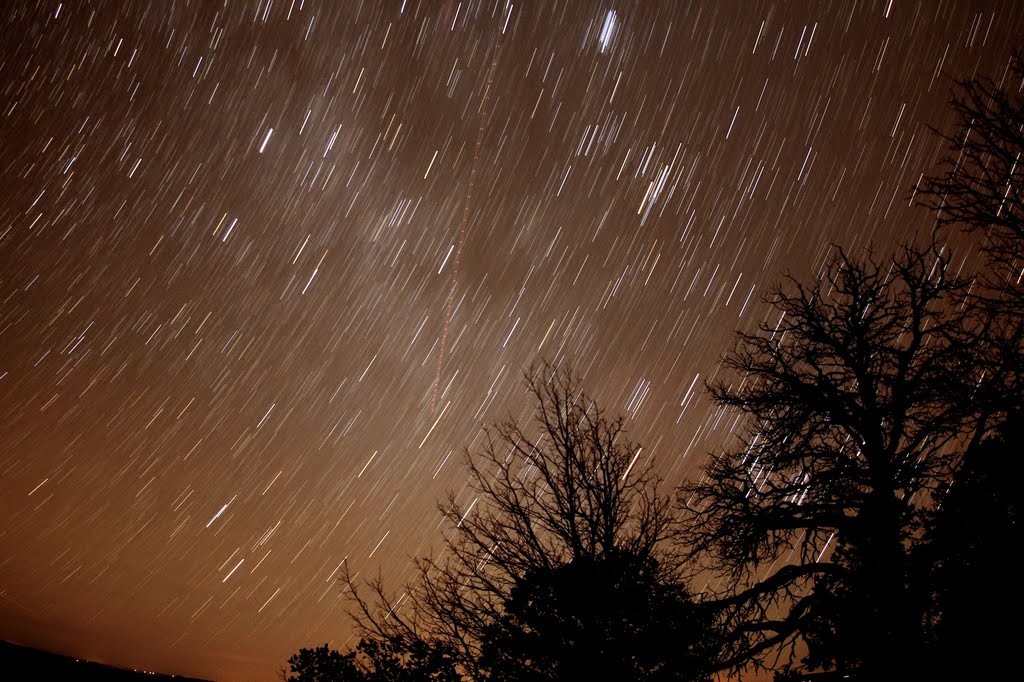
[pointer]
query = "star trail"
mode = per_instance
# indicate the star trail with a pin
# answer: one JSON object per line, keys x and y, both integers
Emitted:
{"x": 268, "y": 267}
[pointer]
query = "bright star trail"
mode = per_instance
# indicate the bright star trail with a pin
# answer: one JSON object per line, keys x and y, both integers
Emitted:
{"x": 254, "y": 304}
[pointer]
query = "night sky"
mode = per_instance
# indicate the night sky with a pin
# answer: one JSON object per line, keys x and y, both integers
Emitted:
{"x": 268, "y": 267}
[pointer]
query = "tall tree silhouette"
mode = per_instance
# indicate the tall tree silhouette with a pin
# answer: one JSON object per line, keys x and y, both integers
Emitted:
{"x": 561, "y": 564}
{"x": 860, "y": 398}
{"x": 978, "y": 190}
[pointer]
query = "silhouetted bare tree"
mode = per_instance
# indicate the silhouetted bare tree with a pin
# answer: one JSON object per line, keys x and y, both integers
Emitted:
{"x": 860, "y": 399}
{"x": 972, "y": 587}
{"x": 562, "y": 565}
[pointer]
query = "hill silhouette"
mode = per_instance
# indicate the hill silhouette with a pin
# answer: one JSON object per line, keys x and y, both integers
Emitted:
{"x": 21, "y": 662}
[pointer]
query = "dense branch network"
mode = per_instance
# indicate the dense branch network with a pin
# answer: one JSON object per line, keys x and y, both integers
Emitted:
{"x": 860, "y": 399}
